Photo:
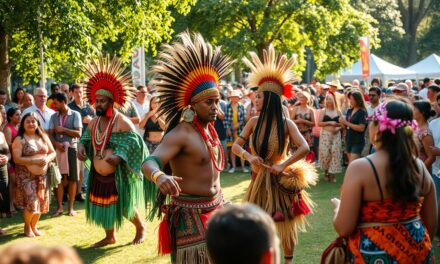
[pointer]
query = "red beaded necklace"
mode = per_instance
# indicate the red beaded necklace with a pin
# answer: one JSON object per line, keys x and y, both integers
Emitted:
{"x": 212, "y": 142}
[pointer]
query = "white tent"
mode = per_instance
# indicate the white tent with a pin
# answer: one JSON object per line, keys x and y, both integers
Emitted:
{"x": 429, "y": 67}
{"x": 378, "y": 69}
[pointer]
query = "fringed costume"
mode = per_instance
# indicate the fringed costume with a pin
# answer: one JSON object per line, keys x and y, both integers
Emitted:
{"x": 111, "y": 197}
{"x": 283, "y": 197}
{"x": 188, "y": 71}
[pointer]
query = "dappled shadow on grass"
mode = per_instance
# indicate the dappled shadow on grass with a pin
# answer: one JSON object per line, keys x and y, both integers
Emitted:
{"x": 91, "y": 255}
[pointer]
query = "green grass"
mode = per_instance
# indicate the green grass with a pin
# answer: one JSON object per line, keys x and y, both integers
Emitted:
{"x": 75, "y": 232}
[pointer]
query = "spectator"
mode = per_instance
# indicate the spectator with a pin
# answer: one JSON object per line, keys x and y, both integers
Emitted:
{"x": 434, "y": 126}
{"x": 142, "y": 105}
{"x": 5, "y": 202}
{"x": 87, "y": 114}
{"x": 131, "y": 113}
{"x": 64, "y": 131}
{"x": 424, "y": 91}
{"x": 433, "y": 91}
{"x": 18, "y": 97}
{"x": 65, "y": 89}
{"x": 330, "y": 141}
{"x": 388, "y": 208}
{"x": 27, "y": 253}
{"x": 32, "y": 153}
{"x": 400, "y": 89}
{"x": 234, "y": 123}
{"x": 304, "y": 117}
{"x": 3, "y": 120}
{"x": 43, "y": 112}
{"x": 220, "y": 127}
{"x": 28, "y": 101}
{"x": 437, "y": 82}
{"x": 355, "y": 123}
{"x": 376, "y": 82}
{"x": 152, "y": 125}
{"x": 10, "y": 131}
{"x": 251, "y": 109}
{"x": 54, "y": 89}
{"x": 242, "y": 234}
{"x": 374, "y": 94}
{"x": 425, "y": 141}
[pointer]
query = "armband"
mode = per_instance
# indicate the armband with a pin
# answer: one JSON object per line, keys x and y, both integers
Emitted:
{"x": 155, "y": 159}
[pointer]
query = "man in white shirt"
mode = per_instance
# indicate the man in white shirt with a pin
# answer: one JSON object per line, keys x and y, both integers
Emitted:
{"x": 43, "y": 112}
{"x": 142, "y": 105}
{"x": 424, "y": 92}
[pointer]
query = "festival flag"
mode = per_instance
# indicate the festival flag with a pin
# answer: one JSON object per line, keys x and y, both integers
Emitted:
{"x": 364, "y": 43}
{"x": 138, "y": 67}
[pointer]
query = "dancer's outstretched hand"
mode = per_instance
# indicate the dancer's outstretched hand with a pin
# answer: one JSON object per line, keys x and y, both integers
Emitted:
{"x": 169, "y": 185}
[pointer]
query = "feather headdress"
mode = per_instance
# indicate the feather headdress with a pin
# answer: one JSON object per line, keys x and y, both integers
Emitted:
{"x": 273, "y": 74}
{"x": 188, "y": 71}
{"x": 106, "y": 77}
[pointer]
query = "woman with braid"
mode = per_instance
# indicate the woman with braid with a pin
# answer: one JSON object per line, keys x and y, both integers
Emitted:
{"x": 277, "y": 183}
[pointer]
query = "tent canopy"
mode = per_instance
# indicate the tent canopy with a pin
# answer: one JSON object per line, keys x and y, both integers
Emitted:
{"x": 428, "y": 67}
{"x": 378, "y": 69}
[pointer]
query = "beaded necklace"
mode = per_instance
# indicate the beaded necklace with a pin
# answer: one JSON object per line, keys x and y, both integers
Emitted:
{"x": 213, "y": 143}
{"x": 100, "y": 139}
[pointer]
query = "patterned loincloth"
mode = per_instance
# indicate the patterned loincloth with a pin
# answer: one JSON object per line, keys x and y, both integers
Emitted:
{"x": 186, "y": 220}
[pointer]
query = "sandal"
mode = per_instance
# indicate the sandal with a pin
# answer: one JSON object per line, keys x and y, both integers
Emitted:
{"x": 326, "y": 177}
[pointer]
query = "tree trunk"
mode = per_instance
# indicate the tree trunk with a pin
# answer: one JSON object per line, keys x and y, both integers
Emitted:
{"x": 5, "y": 66}
{"x": 412, "y": 49}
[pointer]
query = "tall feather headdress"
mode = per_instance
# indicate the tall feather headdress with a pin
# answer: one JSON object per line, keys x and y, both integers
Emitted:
{"x": 273, "y": 74}
{"x": 188, "y": 71}
{"x": 106, "y": 77}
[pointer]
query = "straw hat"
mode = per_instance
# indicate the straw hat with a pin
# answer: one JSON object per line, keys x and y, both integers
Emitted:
{"x": 235, "y": 93}
{"x": 335, "y": 83}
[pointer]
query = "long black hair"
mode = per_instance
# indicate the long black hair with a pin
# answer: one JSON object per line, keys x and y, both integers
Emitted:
{"x": 404, "y": 181}
{"x": 15, "y": 99}
{"x": 10, "y": 113}
{"x": 272, "y": 110}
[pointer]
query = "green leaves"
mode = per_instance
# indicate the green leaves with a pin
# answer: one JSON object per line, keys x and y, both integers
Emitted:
{"x": 75, "y": 29}
{"x": 330, "y": 28}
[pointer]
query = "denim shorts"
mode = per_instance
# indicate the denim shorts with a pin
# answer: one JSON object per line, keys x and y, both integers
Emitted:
{"x": 354, "y": 148}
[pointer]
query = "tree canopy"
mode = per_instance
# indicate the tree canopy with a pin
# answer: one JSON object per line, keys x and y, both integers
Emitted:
{"x": 72, "y": 30}
{"x": 329, "y": 28}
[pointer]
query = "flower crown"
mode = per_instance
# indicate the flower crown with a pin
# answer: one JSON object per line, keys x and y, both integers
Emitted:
{"x": 380, "y": 115}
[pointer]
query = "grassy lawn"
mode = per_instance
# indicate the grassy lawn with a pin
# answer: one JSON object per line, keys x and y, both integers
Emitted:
{"x": 75, "y": 232}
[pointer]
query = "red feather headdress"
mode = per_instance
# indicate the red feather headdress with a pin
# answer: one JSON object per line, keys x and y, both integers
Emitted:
{"x": 107, "y": 77}
{"x": 273, "y": 74}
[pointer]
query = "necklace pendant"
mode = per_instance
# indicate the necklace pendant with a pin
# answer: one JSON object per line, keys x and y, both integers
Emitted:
{"x": 61, "y": 136}
{"x": 99, "y": 156}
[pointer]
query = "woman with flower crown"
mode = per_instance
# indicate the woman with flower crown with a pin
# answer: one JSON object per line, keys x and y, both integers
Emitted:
{"x": 278, "y": 180}
{"x": 388, "y": 207}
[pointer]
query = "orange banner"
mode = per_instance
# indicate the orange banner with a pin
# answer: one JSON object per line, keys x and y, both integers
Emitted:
{"x": 364, "y": 43}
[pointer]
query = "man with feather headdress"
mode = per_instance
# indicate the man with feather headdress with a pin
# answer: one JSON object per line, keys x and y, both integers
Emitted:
{"x": 115, "y": 186}
{"x": 188, "y": 75}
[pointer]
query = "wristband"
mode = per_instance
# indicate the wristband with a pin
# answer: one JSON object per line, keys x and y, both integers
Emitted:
{"x": 242, "y": 153}
{"x": 157, "y": 175}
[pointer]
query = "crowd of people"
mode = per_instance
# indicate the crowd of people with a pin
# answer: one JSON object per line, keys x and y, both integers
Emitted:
{"x": 178, "y": 133}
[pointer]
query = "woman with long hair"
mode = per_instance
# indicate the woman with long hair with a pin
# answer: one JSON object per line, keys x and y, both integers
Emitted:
{"x": 388, "y": 207}
{"x": 13, "y": 115}
{"x": 32, "y": 152}
{"x": 153, "y": 125}
{"x": 272, "y": 186}
{"x": 18, "y": 96}
{"x": 330, "y": 141}
{"x": 355, "y": 124}
{"x": 422, "y": 113}
{"x": 304, "y": 117}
